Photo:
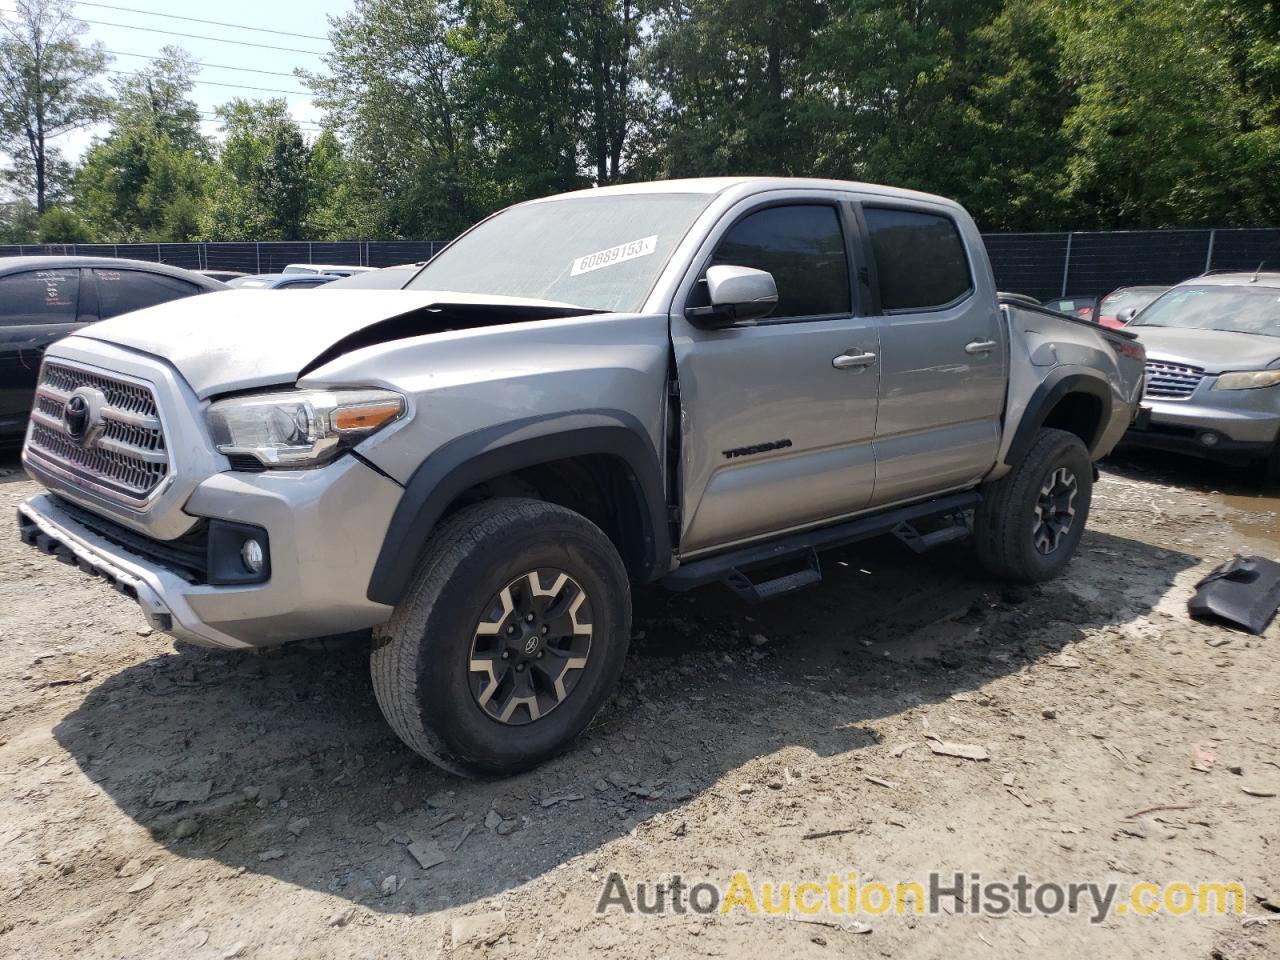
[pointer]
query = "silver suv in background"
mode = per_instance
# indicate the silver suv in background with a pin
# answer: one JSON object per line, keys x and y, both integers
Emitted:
{"x": 1213, "y": 369}
{"x": 682, "y": 383}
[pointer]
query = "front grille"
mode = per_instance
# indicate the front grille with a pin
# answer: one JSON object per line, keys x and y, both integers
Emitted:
{"x": 1171, "y": 381}
{"x": 124, "y": 456}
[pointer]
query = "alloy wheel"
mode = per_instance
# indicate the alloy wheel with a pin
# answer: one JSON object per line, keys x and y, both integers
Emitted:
{"x": 1055, "y": 511}
{"x": 530, "y": 646}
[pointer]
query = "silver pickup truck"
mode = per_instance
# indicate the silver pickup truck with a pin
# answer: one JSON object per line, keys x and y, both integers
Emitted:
{"x": 684, "y": 383}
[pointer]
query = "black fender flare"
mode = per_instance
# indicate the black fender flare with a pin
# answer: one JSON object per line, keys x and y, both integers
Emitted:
{"x": 1055, "y": 386}
{"x": 485, "y": 454}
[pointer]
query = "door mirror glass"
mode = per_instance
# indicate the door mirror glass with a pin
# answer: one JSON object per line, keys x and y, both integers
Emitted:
{"x": 736, "y": 294}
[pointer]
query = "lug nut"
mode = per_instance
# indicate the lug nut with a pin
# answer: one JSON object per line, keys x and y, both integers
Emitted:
{"x": 540, "y": 652}
{"x": 529, "y": 618}
{"x": 520, "y": 667}
{"x": 545, "y": 630}
{"x": 506, "y": 654}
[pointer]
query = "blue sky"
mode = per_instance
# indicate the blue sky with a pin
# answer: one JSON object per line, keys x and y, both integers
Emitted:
{"x": 132, "y": 30}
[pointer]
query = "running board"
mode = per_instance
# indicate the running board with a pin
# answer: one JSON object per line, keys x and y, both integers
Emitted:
{"x": 740, "y": 582}
{"x": 955, "y": 527}
{"x": 729, "y": 567}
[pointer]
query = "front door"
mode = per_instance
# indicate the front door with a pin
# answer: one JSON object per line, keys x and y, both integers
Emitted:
{"x": 778, "y": 415}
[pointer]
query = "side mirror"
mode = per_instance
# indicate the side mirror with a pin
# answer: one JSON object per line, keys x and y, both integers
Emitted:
{"x": 736, "y": 293}
{"x": 1125, "y": 315}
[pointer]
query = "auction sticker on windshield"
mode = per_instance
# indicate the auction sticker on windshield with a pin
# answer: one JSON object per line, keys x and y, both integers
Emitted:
{"x": 619, "y": 254}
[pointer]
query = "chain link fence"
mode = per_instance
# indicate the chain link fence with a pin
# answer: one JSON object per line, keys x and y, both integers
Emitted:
{"x": 1044, "y": 265}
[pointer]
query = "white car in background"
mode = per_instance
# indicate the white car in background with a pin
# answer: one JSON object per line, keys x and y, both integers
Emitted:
{"x": 333, "y": 269}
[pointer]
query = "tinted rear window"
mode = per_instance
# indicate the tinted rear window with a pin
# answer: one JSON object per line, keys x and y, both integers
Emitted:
{"x": 920, "y": 259}
{"x": 39, "y": 296}
{"x": 120, "y": 291}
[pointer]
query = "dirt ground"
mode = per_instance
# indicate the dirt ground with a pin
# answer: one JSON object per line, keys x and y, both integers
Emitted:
{"x": 162, "y": 801}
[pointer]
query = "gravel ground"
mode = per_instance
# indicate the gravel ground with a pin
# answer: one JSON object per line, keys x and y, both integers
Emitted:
{"x": 167, "y": 801}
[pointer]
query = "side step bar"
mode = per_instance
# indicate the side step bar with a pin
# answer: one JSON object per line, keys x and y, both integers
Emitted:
{"x": 732, "y": 567}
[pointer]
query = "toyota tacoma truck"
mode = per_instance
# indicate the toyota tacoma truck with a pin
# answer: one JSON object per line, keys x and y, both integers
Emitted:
{"x": 678, "y": 383}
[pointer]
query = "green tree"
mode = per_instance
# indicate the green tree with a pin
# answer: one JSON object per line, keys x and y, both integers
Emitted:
{"x": 18, "y": 221}
{"x": 146, "y": 179}
{"x": 62, "y": 225}
{"x": 733, "y": 78}
{"x": 394, "y": 90}
{"x": 47, "y": 89}
{"x": 1179, "y": 130}
{"x": 259, "y": 186}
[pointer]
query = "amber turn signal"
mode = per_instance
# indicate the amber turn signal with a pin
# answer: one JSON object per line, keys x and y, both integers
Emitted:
{"x": 366, "y": 416}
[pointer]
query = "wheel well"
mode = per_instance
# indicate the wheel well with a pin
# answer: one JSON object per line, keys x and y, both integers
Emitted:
{"x": 1078, "y": 413}
{"x": 601, "y": 487}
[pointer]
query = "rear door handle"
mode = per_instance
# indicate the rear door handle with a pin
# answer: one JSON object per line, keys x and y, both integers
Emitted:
{"x": 847, "y": 360}
{"x": 981, "y": 346}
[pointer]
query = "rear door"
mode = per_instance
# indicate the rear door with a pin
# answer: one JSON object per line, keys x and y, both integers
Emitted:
{"x": 37, "y": 307}
{"x": 773, "y": 435}
{"x": 944, "y": 352}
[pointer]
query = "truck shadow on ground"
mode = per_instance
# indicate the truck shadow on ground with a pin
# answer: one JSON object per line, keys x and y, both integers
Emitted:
{"x": 709, "y": 685}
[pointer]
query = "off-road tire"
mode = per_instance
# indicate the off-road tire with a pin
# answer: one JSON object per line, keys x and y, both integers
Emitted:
{"x": 1006, "y": 520}
{"x": 420, "y": 658}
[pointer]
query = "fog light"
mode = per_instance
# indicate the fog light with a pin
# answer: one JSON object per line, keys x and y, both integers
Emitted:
{"x": 251, "y": 556}
{"x": 1209, "y": 439}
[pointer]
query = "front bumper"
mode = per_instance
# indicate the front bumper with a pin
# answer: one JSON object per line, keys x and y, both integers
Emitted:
{"x": 1197, "y": 426}
{"x": 324, "y": 526}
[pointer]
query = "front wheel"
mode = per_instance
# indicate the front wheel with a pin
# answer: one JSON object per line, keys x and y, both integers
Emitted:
{"x": 509, "y": 641}
{"x": 1031, "y": 519}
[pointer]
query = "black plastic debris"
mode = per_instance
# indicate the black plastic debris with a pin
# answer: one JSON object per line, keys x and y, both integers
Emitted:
{"x": 1244, "y": 591}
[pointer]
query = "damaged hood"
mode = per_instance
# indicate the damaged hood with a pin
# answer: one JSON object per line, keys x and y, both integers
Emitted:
{"x": 1214, "y": 350}
{"x": 241, "y": 339}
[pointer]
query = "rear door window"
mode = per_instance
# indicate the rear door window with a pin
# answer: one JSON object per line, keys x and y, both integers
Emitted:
{"x": 920, "y": 259}
{"x": 39, "y": 296}
{"x": 120, "y": 291}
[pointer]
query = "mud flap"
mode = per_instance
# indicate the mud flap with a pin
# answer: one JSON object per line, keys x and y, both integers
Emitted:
{"x": 1244, "y": 591}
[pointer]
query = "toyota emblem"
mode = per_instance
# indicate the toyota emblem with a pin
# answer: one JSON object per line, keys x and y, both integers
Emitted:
{"x": 82, "y": 416}
{"x": 76, "y": 417}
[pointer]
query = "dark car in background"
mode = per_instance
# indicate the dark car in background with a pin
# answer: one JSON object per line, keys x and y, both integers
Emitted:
{"x": 1120, "y": 305}
{"x": 282, "y": 281}
{"x": 43, "y": 299}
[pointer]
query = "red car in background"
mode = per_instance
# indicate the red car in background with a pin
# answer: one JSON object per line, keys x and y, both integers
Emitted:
{"x": 1110, "y": 308}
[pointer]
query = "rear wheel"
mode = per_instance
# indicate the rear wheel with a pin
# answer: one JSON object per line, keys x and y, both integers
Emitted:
{"x": 1031, "y": 519}
{"x": 509, "y": 640}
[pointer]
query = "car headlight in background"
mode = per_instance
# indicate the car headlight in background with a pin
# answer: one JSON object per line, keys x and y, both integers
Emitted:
{"x": 300, "y": 428}
{"x": 1248, "y": 380}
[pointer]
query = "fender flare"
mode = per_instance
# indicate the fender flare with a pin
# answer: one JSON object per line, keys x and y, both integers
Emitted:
{"x": 1055, "y": 386}
{"x": 483, "y": 455}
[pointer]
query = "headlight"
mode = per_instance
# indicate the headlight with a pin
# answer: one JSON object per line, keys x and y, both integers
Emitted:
{"x": 300, "y": 428}
{"x": 1249, "y": 380}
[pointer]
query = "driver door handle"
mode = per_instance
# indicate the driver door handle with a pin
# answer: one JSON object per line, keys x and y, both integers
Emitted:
{"x": 980, "y": 346}
{"x": 847, "y": 360}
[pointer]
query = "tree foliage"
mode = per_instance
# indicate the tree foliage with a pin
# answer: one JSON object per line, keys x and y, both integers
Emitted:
{"x": 1036, "y": 114}
{"x": 47, "y": 88}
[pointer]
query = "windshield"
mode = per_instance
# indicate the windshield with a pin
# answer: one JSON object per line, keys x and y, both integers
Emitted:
{"x": 602, "y": 253}
{"x": 1235, "y": 309}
